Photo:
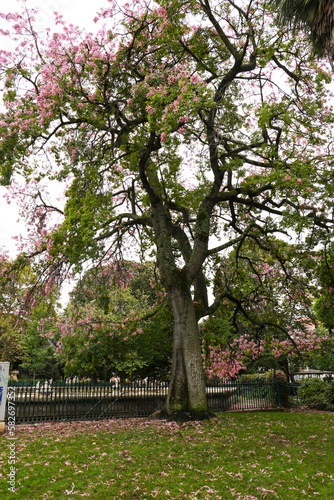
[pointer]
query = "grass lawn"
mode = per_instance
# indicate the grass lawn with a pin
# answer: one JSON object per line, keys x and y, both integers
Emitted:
{"x": 235, "y": 455}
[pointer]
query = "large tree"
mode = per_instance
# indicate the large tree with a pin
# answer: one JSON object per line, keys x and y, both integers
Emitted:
{"x": 23, "y": 322}
{"x": 182, "y": 130}
{"x": 13, "y": 315}
{"x": 265, "y": 292}
{"x": 38, "y": 340}
{"x": 110, "y": 328}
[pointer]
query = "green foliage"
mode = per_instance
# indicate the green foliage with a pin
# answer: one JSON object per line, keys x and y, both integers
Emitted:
{"x": 321, "y": 361}
{"x": 264, "y": 294}
{"x": 185, "y": 121}
{"x": 258, "y": 284}
{"x": 26, "y": 336}
{"x": 316, "y": 393}
{"x": 10, "y": 342}
{"x": 117, "y": 328}
{"x": 38, "y": 342}
{"x": 270, "y": 376}
{"x": 13, "y": 313}
{"x": 268, "y": 361}
{"x": 330, "y": 394}
{"x": 216, "y": 330}
{"x": 324, "y": 305}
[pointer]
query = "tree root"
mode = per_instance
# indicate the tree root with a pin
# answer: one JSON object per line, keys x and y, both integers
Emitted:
{"x": 181, "y": 416}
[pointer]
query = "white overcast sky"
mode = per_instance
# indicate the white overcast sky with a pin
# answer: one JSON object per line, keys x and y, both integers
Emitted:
{"x": 78, "y": 12}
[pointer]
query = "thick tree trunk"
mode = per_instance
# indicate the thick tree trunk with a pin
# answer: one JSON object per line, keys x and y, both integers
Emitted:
{"x": 186, "y": 393}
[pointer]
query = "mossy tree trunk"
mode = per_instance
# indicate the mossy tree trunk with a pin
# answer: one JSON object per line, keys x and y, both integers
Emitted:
{"x": 186, "y": 395}
{"x": 187, "y": 385}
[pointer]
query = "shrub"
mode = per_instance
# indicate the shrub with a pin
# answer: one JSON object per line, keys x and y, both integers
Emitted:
{"x": 312, "y": 393}
{"x": 330, "y": 395}
{"x": 270, "y": 376}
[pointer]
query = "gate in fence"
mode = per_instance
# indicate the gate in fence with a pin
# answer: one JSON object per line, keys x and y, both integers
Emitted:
{"x": 80, "y": 401}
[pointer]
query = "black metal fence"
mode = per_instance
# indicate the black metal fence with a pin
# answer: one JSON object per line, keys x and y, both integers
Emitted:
{"x": 253, "y": 395}
{"x": 80, "y": 401}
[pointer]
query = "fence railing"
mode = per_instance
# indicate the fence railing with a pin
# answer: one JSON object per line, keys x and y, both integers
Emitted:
{"x": 80, "y": 401}
{"x": 236, "y": 395}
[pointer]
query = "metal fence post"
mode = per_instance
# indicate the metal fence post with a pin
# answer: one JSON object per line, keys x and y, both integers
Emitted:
{"x": 279, "y": 393}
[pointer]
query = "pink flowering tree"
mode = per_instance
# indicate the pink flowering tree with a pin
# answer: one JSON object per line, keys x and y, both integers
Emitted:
{"x": 10, "y": 324}
{"x": 180, "y": 130}
{"x": 22, "y": 340}
{"x": 226, "y": 363}
{"x": 267, "y": 312}
{"x": 107, "y": 328}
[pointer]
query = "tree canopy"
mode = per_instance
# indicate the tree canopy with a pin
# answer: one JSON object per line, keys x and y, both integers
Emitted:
{"x": 21, "y": 321}
{"x": 107, "y": 328}
{"x": 267, "y": 297}
{"x": 182, "y": 130}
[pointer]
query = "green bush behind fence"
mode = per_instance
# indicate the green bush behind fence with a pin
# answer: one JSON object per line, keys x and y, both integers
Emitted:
{"x": 80, "y": 401}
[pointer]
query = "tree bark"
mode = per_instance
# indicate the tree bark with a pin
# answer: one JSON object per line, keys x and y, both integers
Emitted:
{"x": 186, "y": 394}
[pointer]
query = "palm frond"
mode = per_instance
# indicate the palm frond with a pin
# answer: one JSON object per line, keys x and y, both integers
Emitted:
{"x": 297, "y": 13}
{"x": 313, "y": 16}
